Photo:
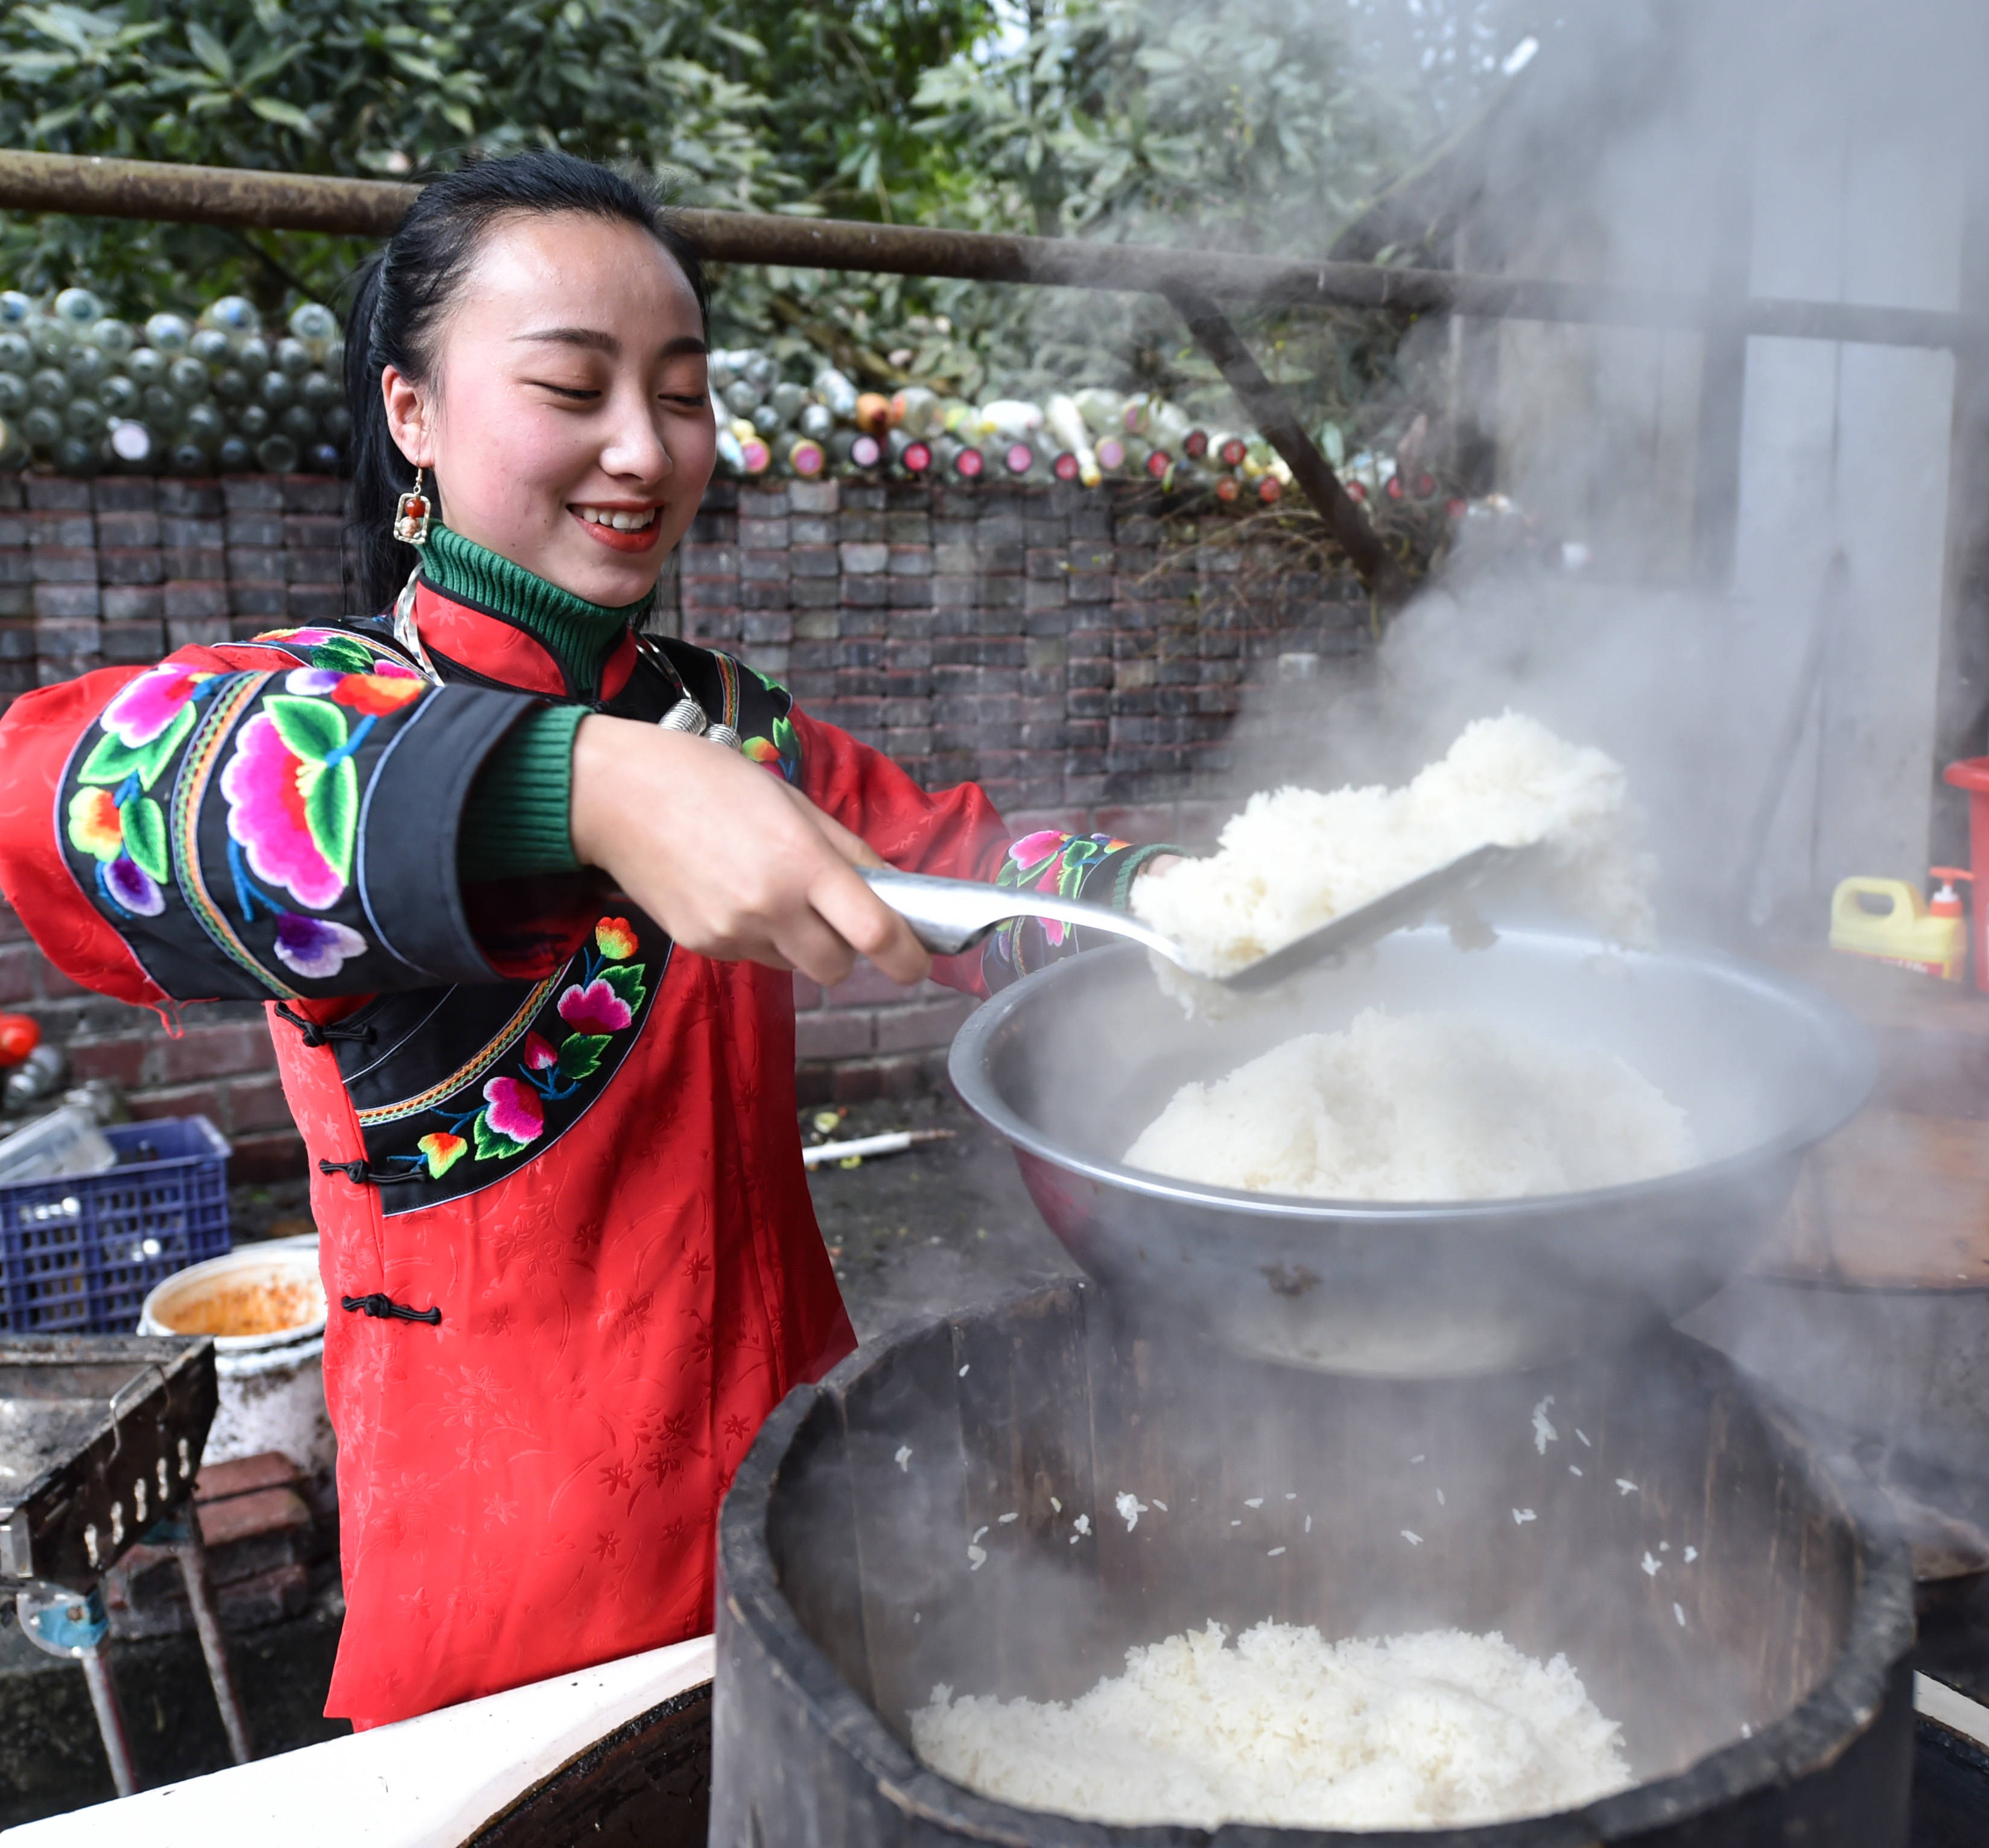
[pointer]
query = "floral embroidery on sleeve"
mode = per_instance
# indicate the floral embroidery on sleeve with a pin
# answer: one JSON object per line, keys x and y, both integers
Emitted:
{"x": 292, "y": 796}
{"x": 112, "y": 815}
{"x": 1096, "y": 868}
{"x": 779, "y": 749}
{"x": 214, "y": 816}
{"x": 1051, "y": 861}
{"x": 339, "y": 651}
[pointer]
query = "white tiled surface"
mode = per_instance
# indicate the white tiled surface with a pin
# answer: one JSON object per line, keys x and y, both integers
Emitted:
{"x": 1956, "y": 1711}
{"x": 430, "y": 1782}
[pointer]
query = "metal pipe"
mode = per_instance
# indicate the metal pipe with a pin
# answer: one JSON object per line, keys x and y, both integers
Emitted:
{"x": 217, "y": 195}
{"x": 191, "y": 1553}
{"x": 1271, "y": 411}
{"x": 200, "y": 195}
{"x": 109, "y": 1718}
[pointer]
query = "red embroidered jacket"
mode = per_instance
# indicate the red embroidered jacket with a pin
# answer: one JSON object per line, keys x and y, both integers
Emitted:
{"x": 527, "y": 1110}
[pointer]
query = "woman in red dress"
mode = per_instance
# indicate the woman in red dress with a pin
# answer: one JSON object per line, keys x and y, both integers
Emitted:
{"x": 523, "y": 888}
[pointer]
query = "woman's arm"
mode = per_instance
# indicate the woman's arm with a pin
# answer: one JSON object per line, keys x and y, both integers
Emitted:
{"x": 957, "y": 834}
{"x": 714, "y": 849}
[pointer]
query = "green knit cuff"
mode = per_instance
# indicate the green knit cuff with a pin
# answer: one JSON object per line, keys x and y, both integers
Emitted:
{"x": 518, "y": 821}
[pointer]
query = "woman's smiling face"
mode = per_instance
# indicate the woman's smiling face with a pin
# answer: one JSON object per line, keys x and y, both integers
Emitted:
{"x": 566, "y": 421}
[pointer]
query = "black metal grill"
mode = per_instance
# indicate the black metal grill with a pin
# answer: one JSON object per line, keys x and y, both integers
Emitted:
{"x": 100, "y": 1442}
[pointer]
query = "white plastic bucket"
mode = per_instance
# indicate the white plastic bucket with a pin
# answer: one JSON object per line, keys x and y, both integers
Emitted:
{"x": 272, "y": 1383}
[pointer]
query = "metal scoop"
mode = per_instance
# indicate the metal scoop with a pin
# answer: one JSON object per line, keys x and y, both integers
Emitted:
{"x": 950, "y": 915}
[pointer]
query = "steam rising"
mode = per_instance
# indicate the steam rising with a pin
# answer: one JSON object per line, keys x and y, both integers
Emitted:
{"x": 1704, "y": 480}
{"x": 1743, "y": 560}
{"x": 1751, "y": 568}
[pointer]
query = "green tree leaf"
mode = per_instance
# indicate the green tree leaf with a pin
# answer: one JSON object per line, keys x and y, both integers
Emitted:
{"x": 274, "y": 109}
{"x": 210, "y": 51}
{"x": 145, "y": 837}
{"x": 36, "y": 67}
{"x": 1259, "y": 127}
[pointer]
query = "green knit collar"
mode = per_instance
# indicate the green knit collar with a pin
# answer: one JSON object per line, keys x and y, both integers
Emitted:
{"x": 578, "y": 635}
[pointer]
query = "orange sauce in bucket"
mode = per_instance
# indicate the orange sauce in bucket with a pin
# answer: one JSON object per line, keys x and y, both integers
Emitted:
{"x": 265, "y": 1307}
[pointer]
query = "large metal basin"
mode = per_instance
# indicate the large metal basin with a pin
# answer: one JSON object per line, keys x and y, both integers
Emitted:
{"x": 1072, "y": 1063}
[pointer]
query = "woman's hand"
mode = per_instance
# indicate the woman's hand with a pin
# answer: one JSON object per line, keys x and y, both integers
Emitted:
{"x": 728, "y": 859}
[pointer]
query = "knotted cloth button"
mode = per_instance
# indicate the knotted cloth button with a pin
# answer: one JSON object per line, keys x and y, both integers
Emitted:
{"x": 381, "y": 1307}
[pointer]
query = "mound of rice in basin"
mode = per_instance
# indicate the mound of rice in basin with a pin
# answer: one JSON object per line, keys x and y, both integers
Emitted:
{"x": 1440, "y": 1729}
{"x": 1419, "y": 1106}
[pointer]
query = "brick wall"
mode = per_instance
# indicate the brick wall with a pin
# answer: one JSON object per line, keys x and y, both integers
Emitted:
{"x": 1083, "y": 655}
{"x": 124, "y": 568}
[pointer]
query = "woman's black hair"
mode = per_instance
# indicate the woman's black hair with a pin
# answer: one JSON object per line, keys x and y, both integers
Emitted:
{"x": 401, "y": 294}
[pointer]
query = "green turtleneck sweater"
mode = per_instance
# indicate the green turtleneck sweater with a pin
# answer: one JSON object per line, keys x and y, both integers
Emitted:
{"x": 517, "y": 820}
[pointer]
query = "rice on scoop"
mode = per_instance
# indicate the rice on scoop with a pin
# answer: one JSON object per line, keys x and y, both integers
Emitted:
{"x": 1419, "y": 1106}
{"x": 1294, "y": 859}
{"x": 1441, "y": 1729}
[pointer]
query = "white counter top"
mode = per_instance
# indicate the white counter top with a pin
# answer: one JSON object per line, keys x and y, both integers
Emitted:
{"x": 431, "y": 1782}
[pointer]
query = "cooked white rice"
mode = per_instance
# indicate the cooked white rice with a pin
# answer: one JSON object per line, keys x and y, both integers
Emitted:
{"x": 1419, "y": 1106}
{"x": 1435, "y": 1730}
{"x": 1294, "y": 859}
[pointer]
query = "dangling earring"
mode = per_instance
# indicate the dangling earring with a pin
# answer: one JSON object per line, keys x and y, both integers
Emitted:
{"x": 411, "y": 515}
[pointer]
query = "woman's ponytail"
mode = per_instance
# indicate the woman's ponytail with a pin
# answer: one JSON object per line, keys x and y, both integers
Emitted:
{"x": 378, "y": 561}
{"x": 399, "y": 300}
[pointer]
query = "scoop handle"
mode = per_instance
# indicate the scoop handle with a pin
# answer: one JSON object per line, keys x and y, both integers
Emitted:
{"x": 950, "y": 915}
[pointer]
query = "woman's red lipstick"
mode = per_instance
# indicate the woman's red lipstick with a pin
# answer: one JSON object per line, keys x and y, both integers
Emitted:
{"x": 640, "y": 539}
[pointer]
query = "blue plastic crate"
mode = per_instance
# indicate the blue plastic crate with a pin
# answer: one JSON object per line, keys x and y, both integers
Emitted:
{"x": 80, "y": 1252}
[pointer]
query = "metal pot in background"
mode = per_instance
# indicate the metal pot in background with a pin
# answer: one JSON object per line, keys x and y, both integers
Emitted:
{"x": 272, "y": 1382}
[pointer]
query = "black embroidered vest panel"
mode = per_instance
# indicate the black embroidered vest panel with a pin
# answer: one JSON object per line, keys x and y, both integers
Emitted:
{"x": 456, "y": 1087}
